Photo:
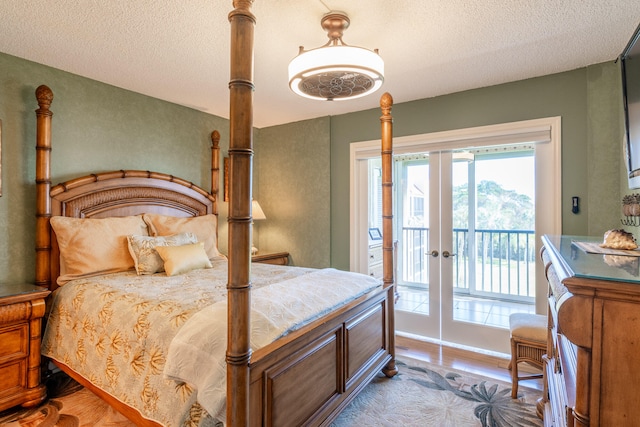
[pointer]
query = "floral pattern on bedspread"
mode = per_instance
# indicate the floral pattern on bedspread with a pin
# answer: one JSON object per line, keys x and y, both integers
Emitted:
{"x": 115, "y": 331}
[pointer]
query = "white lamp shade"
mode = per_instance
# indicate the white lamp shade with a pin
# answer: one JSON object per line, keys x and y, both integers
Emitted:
{"x": 256, "y": 211}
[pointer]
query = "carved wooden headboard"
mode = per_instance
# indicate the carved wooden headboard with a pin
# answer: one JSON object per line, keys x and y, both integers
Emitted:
{"x": 107, "y": 194}
{"x": 129, "y": 192}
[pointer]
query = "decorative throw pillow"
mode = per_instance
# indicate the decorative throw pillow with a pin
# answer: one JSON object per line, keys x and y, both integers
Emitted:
{"x": 204, "y": 227}
{"x": 94, "y": 246}
{"x": 145, "y": 256}
{"x": 182, "y": 259}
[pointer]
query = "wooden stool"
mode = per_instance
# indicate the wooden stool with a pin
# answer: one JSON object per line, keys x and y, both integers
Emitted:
{"x": 528, "y": 344}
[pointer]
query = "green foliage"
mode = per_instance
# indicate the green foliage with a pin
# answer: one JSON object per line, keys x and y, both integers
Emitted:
{"x": 497, "y": 208}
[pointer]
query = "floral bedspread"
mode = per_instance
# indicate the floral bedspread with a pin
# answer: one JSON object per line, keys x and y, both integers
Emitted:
{"x": 115, "y": 331}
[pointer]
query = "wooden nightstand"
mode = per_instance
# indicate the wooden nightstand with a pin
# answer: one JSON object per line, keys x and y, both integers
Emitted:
{"x": 278, "y": 258}
{"x": 21, "y": 309}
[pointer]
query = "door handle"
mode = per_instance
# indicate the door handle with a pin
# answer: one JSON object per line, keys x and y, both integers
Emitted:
{"x": 446, "y": 254}
{"x": 433, "y": 253}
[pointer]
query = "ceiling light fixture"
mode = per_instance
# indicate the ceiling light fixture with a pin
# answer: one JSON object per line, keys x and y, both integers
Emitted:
{"x": 336, "y": 71}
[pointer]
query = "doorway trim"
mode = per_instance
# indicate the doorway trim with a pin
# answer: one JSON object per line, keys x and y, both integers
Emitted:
{"x": 544, "y": 133}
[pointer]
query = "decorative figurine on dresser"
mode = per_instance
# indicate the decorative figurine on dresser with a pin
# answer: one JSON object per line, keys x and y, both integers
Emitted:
{"x": 21, "y": 309}
{"x": 592, "y": 366}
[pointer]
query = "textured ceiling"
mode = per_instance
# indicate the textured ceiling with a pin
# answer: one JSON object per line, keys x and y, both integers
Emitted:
{"x": 179, "y": 50}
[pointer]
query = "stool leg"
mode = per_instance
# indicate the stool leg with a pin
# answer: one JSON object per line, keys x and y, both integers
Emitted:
{"x": 514, "y": 369}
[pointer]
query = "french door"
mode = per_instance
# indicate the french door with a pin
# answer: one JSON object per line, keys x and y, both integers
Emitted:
{"x": 439, "y": 252}
{"x": 465, "y": 227}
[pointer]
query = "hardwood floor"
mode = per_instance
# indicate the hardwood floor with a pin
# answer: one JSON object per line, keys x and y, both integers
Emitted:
{"x": 487, "y": 364}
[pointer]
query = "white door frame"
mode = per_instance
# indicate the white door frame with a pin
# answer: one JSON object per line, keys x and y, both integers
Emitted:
{"x": 544, "y": 133}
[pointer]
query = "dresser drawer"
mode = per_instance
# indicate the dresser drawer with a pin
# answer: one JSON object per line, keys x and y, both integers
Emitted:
{"x": 22, "y": 306}
{"x": 14, "y": 340}
{"x": 376, "y": 271}
{"x": 13, "y": 377}
{"x": 375, "y": 253}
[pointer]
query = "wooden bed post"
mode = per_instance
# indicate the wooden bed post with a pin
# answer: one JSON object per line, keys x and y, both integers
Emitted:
{"x": 215, "y": 170}
{"x": 386, "y": 125}
{"x": 240, "y": 178}
{"x": 44, "y": 96}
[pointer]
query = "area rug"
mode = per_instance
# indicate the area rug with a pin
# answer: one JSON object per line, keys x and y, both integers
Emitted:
{"x": 425, "y": 395}
{"x": 421, "y": 394}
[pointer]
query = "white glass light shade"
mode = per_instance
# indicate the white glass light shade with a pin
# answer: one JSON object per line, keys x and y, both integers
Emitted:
{"x": 336, "y": 72}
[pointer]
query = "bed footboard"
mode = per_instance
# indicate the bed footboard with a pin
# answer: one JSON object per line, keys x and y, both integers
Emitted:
{"x": 307, "y": 378}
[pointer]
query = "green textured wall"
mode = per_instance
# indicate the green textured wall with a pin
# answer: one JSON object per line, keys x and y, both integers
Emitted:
{"x": 605, "y": 148}
{"x": 96, "y": 127}
{"x": 292, "y": 164}
{"x": 577, "y": 96}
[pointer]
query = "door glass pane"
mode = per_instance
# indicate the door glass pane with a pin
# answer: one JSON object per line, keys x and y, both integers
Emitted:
{"x": 505, "y": 225}
{"x": 493, "y": 234}
{"x": 463, "y": 222}
{"x": 413, "y": 217}
{"x": 415, "y": 222}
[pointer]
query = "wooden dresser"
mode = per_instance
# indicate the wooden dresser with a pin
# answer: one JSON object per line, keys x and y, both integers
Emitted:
{"x": 592, "y": 372}
{"x": 21, "y": 309}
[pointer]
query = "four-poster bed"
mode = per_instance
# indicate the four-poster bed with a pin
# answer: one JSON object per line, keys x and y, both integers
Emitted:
{"x": 327, "y": 358}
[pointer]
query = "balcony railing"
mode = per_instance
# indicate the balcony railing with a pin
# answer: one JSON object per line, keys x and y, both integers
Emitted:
{"x": 492, "y": 263}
